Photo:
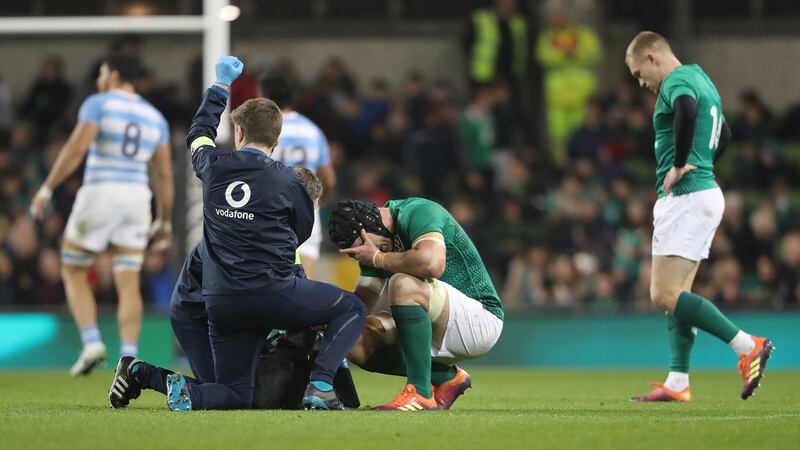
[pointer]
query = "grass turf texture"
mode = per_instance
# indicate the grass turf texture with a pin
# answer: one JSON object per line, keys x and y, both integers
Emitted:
{"x": 507, "y": 408}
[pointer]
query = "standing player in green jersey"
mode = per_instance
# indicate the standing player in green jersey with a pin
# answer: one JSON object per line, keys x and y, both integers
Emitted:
{"x": 435, "y": 302}
{"x": 691, "y": 134}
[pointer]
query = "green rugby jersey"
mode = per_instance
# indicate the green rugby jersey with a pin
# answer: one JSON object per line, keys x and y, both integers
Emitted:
{"x": 464, "y": 270}
{"x": 692, "y": 81}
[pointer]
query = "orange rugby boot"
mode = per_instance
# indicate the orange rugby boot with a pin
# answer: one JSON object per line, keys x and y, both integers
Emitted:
{"x": 447, "y": 393}
{"x": 752, "y": 365}
{"x": 663, "y": 394}
{"x": 408, "y": 400}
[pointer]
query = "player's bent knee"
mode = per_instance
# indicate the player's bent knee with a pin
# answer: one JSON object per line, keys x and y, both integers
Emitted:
{"x": 665, "y": 299}
{"x": 406, "y": 289}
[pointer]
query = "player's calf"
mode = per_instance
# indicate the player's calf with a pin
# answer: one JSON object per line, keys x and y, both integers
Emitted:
{"x": 379, "y": 330}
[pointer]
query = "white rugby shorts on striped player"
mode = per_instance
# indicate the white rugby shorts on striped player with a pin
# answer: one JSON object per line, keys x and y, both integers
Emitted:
{"x": 110, "y": 214}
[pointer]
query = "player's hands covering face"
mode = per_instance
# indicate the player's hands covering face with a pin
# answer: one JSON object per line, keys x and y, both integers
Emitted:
{"x": 363, "y": 253}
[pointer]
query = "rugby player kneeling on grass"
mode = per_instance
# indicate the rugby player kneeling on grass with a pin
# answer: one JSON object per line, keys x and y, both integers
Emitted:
{"x": 432, "y": 301}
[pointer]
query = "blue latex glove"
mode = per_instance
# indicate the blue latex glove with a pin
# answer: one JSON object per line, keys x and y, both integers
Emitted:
{"x": 228, "y": 69}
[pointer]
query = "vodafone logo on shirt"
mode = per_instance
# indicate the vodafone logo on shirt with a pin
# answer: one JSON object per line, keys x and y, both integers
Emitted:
{"x": 236, "y": 204}
{"x": 229, "y": 194}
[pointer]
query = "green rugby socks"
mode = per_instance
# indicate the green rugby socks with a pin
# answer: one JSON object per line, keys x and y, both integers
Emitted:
{"x": 414, "y": 330}
{"x": 442, "y": 373}
{"x": 389, "y": 360}
{"x": 681, "y": 340}
{"x": 694, "y": 310}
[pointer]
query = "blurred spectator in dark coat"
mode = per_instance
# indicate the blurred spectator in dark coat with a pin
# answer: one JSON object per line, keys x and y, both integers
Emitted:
{"x": 753, "y": 122}
{"x": 431, "y": 154}
{"x": 50, "y": 289}
{"x": 587, "y": 141}
{"x": 23, "y": 250}
{"x": 48, "y": 98}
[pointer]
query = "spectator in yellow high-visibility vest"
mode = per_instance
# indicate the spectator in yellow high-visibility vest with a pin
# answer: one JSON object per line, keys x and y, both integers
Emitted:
{"x": 567, "y": 53}
{"x": 497, "y": 51}
{"x": 497, "y": 44}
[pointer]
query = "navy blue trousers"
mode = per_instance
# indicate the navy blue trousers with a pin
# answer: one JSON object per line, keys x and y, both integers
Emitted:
{"x": 190, "y": 325}
{"x": 238, "y": 325}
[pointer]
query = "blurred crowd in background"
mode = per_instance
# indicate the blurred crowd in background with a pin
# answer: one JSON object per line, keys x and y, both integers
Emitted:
{"x": 564, "y": 226}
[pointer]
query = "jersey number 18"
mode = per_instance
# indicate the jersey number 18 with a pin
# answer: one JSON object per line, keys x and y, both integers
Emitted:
{"x": 716, "y": 128}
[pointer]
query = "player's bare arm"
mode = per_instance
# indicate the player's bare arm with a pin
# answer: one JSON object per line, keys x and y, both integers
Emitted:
{"x": 69, "y": 158}
{"x": 425, "y": 260}
{"x": 163, "y": 187}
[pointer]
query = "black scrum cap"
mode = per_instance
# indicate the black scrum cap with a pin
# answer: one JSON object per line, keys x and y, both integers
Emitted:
{"x": 349, "y": 217}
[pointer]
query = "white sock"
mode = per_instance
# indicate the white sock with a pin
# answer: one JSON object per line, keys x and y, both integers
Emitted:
{"x": 90, "y": 335}
{"x": 742, "y": 343}
{"x": 129, "y": 349}
{"x": 677, "y": 381}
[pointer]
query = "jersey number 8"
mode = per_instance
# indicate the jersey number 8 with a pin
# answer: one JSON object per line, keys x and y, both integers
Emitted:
{"x": 130, "y": 146}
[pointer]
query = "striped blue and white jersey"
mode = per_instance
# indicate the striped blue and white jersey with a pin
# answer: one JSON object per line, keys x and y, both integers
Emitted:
{"x": 301, "y": 143}
{"x": 130, "y": 130}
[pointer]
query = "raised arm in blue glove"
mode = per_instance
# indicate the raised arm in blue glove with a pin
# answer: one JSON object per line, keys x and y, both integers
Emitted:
{"x": 203, "y": 130}
{"x": 228, "y": 69}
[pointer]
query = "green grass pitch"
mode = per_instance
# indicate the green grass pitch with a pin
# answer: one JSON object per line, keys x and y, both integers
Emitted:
{"x": 505, "y": 409}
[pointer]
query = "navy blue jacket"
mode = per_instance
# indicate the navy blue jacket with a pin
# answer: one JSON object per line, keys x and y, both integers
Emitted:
{"x": 256, "y": 211}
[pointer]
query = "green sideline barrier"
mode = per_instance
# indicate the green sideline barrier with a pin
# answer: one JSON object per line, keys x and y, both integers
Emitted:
{"x": 630, "y": 341}
{"x": 44, "y": 340}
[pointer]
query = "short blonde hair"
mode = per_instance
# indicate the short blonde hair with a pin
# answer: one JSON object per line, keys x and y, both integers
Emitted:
{"x": 310, "y": 179}
{"x": 647, "y": 40}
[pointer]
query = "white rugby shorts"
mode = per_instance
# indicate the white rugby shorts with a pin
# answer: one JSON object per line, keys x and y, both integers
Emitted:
{"x": 684, "y": 225}
{"x": 110, "y": 214}
{"x": 471, "y": 329}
